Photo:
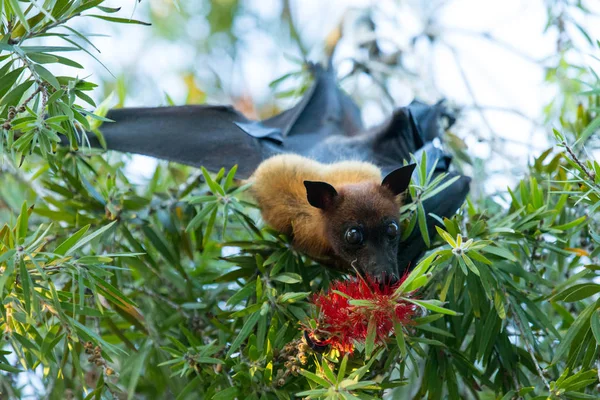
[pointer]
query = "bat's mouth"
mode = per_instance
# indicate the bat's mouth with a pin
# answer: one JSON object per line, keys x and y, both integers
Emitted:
{"x": 385, "y": 273}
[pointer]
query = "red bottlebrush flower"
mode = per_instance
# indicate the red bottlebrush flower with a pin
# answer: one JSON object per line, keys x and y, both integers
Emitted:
{"x": 343, "y": 323}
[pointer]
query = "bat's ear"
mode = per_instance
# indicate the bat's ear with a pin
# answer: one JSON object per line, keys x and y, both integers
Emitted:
{"x": 320, "y": 194}
{"x": 398, "y": 180}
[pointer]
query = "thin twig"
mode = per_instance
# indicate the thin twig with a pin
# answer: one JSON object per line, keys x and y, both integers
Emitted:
{"x": 508, "y": 110}
{"x": 578, "y": 162}
{"x": 480, "y": 109}
{"x": 500, "y": 43}
{"x": 45, "y": 29}
{"x": 14, "y": 111}
{"x": 470, "y": 89}
{"x": 362, "y": 67}
{"x": 287, "y": 13}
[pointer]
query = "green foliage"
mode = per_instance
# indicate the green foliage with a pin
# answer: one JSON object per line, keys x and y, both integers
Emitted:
{"x": 35, "y": 105}
{"x": 173, "y": 289}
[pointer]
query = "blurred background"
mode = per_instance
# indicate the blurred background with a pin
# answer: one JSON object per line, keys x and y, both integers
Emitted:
{"x": 508, "y": 66}
{"x": 495, "y": 60}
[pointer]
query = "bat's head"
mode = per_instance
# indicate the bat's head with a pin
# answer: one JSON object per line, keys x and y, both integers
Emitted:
{"x": 361, "y": 221}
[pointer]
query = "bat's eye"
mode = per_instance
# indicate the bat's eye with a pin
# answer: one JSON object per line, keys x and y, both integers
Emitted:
{"x": 354, "y": 236}
{"x": 392, "y": 230}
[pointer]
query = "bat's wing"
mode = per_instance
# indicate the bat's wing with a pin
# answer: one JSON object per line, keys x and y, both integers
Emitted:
{"x": 219, "y": 136}
{"x": 324, "y": 110}
{"x": 411, "y": 130}
{"x": 192, "y": 135}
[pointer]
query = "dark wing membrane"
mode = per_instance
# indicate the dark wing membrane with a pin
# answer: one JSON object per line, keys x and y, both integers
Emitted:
{"x": 219, "y": 136}
{"x": 209, "y": 136}
{"x": 324, "y": 110}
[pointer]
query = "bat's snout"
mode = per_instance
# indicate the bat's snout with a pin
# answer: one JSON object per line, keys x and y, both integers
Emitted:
{"x": 384, "y": 270}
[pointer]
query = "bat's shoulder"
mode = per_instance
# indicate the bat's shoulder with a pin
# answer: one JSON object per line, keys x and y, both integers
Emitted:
{"x": 346, "y": 172}
{"x": 301, "y": 167}
{"x": 285, "y": 165}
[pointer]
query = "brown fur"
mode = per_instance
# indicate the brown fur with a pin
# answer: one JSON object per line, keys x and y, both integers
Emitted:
{"x": 278, "y": 188}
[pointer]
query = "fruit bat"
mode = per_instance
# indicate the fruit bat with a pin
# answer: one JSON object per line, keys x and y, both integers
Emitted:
{"x": 325, "y": 125}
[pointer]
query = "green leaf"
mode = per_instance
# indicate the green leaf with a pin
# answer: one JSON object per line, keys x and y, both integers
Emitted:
{"x": 423, "y": 170}
{"x": 342, "y": 369}
{"x": 227, "y": 394}
{"x": 208, "y": 360}
{"x": 588, "y": 131}
{"x": 422, "y": 219}
{"x": 446, "y": 236}
{"x": 579, "y": 324}
{"x": 9, "y": 368}
{"x": 500, "y": 252}
{"x": 421, "y": 268}
{"x": 16, "y": 94}
{"x": 71, "y": 241}
{"x": 47, "y": 76}
{"x": 9, "y": 80}
{"x": 577, "y": 292}
{"x": 192, "y": 384}
{"x": 43, "y": 58}
{"x": 19, "y": 13}
{"x": 25, "y": 285}
{"x": 595, "y": 325}
{"x": 315, "y": 378}
{"x": 247, "y": 311}
{"x": 399, "y": 333}
{"x": 418, "y": 282}
{"x": 109, "y": 10}
{"x": 85, "y": 98}
{"x": 119, "y": 20}
{"x": 432, "y": 305}
{"x": 46, "y": 49}
{"x": 288, "y": 277}
{"x": 314, "y": 393}
{"x": 214, "y": 186}
{"x": 89, "y": 238}
{"x": 230, "y": 176}
{"x": 579, "y": 380}
{"x": 68, "y": 62}
{"x": 22, "y": 224}
{"x": 7, "y": 255}
{"x": 439, "y": 188}
{"x": 571, "y": 224}
{"x": 292, "y": 297}
{"x": 244, "y": 332}
{"x": 328, "y": 372}
{"x": 509, "y": 395}
{"x": 242, "y": 294}
{"x": 469, "y": 263}
{"x": 499, "y": 305}
{"x": 137, "y": 365}
{"x": 201, "y": 216}
{"x": 86, "y": 6}
{"x": 370, "y": 339}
